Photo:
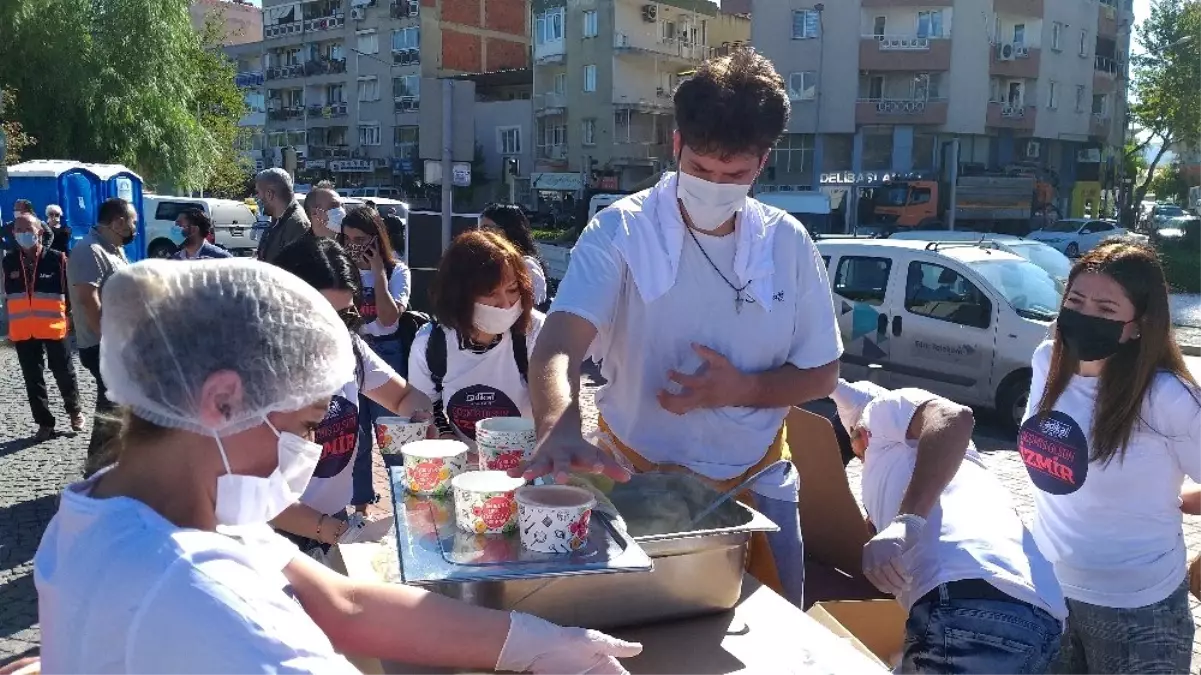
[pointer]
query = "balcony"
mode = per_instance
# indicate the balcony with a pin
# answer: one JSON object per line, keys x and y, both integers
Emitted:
{"x": 553, "y": 152}
{"x": 553, "y": 103}
{"x": 249, "y": 79}
{"x": 406, "y": 104}
{"x": 655, "y": 106}
{"x": 639, "y": 153}
{"x": 900, "y": 111}
{"x": 674, "y": 49}
{"x": 324, "y": 23}
{"x": 405, "y": 9}
{"x": 1108, "y": 66}
{"x": 1020, "y": 7}
{"x": 553, "y": 52}
{"x": 1099, "y": 125}
{"x": 324, "y": 66}
{"x": 904, "y": 52}
{"x": 327, "y": 110}
{"x": 406, "y": 57}
{"x": 1014, "y": 60}
{"x": 283, "y": 30}
{"x": 1011, "y": 116}
{"x": 289, "y": 113}
{"x": 323, "y": 151}
{"x": 285, "y": 72}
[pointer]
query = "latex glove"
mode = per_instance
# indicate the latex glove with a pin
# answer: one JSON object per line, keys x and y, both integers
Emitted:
{"x": 884, "y": 556}
{"x": 537, "y": 646}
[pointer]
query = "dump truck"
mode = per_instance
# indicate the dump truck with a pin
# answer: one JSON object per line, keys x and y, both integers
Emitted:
{"x": 1010, "y": 204}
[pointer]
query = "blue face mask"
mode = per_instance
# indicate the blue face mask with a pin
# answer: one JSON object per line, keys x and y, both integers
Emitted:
{"x": 26, "y": 239}
{"x": 177, "y": 232}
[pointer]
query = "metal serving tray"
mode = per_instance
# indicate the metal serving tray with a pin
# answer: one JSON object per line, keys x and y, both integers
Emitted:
{"x": 694, "y": 573}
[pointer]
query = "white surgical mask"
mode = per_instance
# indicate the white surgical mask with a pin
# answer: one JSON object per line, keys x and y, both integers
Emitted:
{"x": 709, "y": 204}
{"x": 26, "y": 239}
{"x": 495, "y": 320}
{"x": 335, "y": 218}
{"x": 253, "y": 500}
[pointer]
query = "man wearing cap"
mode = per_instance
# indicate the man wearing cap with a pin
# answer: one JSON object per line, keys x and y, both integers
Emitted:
{"x": 981, "y": 597}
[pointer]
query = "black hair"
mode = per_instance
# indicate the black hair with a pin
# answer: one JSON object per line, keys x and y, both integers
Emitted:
{"x": 197, "y": 219}
{"x": 366, "y": 219}
{"x": 733, "y": 105}
{"x": 512, "y": 223}
{"x": 112, "y": 209}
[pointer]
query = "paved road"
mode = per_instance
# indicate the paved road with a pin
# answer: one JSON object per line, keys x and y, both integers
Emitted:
{"x": 31, "y": 477}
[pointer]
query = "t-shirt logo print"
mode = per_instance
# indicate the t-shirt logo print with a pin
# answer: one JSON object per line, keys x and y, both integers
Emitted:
{"x": 1055, "y": 452}
{"x": 478, "y": 402}
{"x": 338, "y": 434}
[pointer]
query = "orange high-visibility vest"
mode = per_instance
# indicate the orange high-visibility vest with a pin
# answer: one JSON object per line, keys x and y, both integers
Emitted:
{"x": 37, "y": 298}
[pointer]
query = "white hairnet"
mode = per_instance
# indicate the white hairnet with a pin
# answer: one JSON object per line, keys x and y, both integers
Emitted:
{"x": 168, "y": 326}
{"x": 852, "y": 397}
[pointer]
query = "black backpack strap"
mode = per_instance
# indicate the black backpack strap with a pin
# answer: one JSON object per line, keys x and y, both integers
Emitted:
{"x": 521, "y": 354}
{"x": 435, "y": 356}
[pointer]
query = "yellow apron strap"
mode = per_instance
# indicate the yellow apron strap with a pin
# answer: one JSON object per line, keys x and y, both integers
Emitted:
{"x": 760, "y": 562}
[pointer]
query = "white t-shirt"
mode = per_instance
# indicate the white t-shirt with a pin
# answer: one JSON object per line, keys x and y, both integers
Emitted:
{"x": 398, "y": 287}
{"x": 477, "y": 385}
{"x": 973, "y": 532}
{"x": 638, "y": 342}
{"x": 122, "y": 590}
{"x": 1114, "y": 531}
{"x": 331, "y": 488}
{"x": 537, "y": 277}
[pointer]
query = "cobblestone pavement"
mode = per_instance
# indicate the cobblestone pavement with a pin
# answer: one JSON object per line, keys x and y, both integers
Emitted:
{"x": 32, "y": 476}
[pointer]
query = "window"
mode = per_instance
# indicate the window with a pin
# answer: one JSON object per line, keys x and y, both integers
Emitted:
{"x": 941, "y": 293}
{"x": 560, "y": 83}
{"x": 1080, "y": 93}
{"x": 1084, "y": 43}
{"x": 875, "y": 88}
{"x": 1017, "y": 93}
{"x": 590, "y": 78}
{"x": 862, "y": 279}
{"x": 508, "y": 140}
{"x": 548, "y": 26}
{"x": 806, "y": 24}
{"x": 368, "y": 134}
{"x": 929, "y": 24}
{"x": 368, "y": 89}
{"x": 791, "y": 161}
{"x": 171, "y": 210}
{"x": 409, "y": 85}
{"x": 335, "y": 93}
{"x": 1057, "y": 36}
{"x": 878, "y": 25}
{"x": 802, "y": 86}
{"x": 1052, "y": 95}
{"x": 406, "y": 38}
{"x": 1100, "y": 105}
{"x": 405, "y": 141}
{"x": 588, "y": 131}
{"x": 1019, "y": 34}
{"x": 368, "y": 42}
{"x": 591, "y": 29}
{"x": 926, "y": 87}
{"x": 667, "y": 31}
{"x": 877, "y": 148}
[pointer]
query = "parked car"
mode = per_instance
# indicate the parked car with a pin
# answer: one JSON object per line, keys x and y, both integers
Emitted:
{"x": 960, "y": 321}
{"x": 373, "y": 193}
{"x": 1075, "y": 236}
{"x": 1161, "y": 213}
{"x": 1050, "y": 259}
{"x": 1181, "y": 231}
{"x": 233, "y": 222}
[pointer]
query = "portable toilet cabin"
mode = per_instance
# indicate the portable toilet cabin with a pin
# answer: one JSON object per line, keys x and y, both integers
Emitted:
{"x": 79, "y": 189}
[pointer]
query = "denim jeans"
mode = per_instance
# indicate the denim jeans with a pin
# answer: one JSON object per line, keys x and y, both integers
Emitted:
{"x": 369, "y": 411}
{"x": 787, "y": 545}
{"x": 978, "y": 636}
{"x": 1157, "y": 638}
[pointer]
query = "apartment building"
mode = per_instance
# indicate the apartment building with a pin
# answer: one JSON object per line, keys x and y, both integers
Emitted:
{"x": 879, "y": 86}
{"x": 604, "y": 73}
{"x": 241, "y": 22}
{"x": 343, "y": 78}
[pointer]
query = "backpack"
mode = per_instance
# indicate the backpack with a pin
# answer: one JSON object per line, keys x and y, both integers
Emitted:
{"x": 435, "y": 355}
{"x": 406, "y": 330}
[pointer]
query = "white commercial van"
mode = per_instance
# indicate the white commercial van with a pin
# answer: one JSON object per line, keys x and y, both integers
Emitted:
{"x": 232, "y": 223}
{"x": 959, "y": 320}
{"x": 811, "y": 208}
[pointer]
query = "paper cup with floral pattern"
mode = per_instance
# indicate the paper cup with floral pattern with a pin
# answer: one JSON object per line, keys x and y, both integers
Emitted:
{"x": 553, "y": 518}
{"x": 430, "y": 465}
{"x": 484, "y": 502}
{"x": 504, "y": 442}
{"x": 393, "y": 433}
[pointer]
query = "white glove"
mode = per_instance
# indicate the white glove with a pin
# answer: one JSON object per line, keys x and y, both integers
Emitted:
{"x": 883, "y": 556}
{"x": 538, "y": 646}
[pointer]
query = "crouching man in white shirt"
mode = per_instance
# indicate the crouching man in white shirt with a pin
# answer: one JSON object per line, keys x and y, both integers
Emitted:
{"x": 981, "y": 597}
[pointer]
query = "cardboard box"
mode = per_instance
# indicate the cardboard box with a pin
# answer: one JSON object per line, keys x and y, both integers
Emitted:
{"x": 874, "y": 627}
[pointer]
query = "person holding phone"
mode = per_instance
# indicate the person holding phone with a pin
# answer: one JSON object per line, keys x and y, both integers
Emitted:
{"x": 366, "y": 240}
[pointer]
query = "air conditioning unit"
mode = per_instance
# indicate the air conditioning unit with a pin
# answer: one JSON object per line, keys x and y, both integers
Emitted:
{"x": 650, "y": 13}
{"x": 358, "y": 13}
{"x": 1021, "y": 52}
{"x": 414, "y": 7}
{"x": 1033, "y": 149}
{"x": 1005, "y": 52}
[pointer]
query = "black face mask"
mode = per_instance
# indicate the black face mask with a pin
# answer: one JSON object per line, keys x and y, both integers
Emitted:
{"x": 1090, "y": 338}
{"x": 351, "y": 317}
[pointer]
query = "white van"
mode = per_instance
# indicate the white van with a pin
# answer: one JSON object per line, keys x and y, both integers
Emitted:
{"x": 811, "y": 208}
{"x": 958, "y": 320}
{"x": 1058, "y": 265}
{"x": 373, "y": 193}
{"x": 232, "y": 223}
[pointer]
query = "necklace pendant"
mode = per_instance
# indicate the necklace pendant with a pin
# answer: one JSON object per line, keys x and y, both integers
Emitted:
{"x": 738, "y": 302}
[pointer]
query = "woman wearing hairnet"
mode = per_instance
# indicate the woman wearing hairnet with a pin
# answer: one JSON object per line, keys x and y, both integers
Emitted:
{"x": 226, "y": 367}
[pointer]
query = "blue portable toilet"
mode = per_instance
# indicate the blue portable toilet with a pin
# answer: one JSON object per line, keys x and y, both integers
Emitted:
{"x": 79, "y": 189}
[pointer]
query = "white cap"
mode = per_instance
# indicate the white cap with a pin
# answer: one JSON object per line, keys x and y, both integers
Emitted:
{"x": 852, "y": 397}
{"x": 169, "y": 326}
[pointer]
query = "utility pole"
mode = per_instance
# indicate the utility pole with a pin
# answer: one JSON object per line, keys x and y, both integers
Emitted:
{"x": 953, "y": 175}
{"x": 448, "y": 97}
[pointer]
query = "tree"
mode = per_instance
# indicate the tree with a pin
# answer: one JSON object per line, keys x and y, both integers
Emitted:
{"x": 219, "y": 105}
{"x": 1166, "y": 95}
{"x": 14, "y": 134}
{"x": 119, "y": 81}
{"x": 1169, "y": 184}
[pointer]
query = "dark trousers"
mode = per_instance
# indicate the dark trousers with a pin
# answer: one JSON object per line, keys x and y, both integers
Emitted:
{"x": 58, "y": 356}
{"x": 105, "y": 426}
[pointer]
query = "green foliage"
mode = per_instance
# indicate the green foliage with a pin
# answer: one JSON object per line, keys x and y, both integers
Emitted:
{"x": 1182, "y": 267}
{"x": 120, "y": 81}
{"x": 1169, "y": 185}
{"x": 15, "y": 136}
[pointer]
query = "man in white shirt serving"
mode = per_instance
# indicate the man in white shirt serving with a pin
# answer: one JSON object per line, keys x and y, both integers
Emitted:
{"x": 710, "y": 313}
{"x": 981, "y": 596}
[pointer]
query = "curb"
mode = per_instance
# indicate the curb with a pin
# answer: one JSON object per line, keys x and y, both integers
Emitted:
{"x": 1190, "y": 350}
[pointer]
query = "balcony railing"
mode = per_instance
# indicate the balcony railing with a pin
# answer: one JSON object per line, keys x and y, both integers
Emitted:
{"x": 404, "y": 9}
{"x": 328, "y": 110}
{"x": 324, "y": 23}
{"x": 324, "y": 66}
{"x": 285, "y": 72}
{"x": 406, "y": 104}
{"x": 1110, "y": 66}
{"x": 553, "y": 152}
{"x": 900, "y": 106}
{"x": 291, "y": 113}
{"x": 283, "y": 29}
{"x": 1013, "y": 110}
{"x": 688, "y": 51}
{"x": 249, "y": 78}
{"x": 552, "y": 103}
{"x": 331, "y": 151}
{"x": 901, "y": 43}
